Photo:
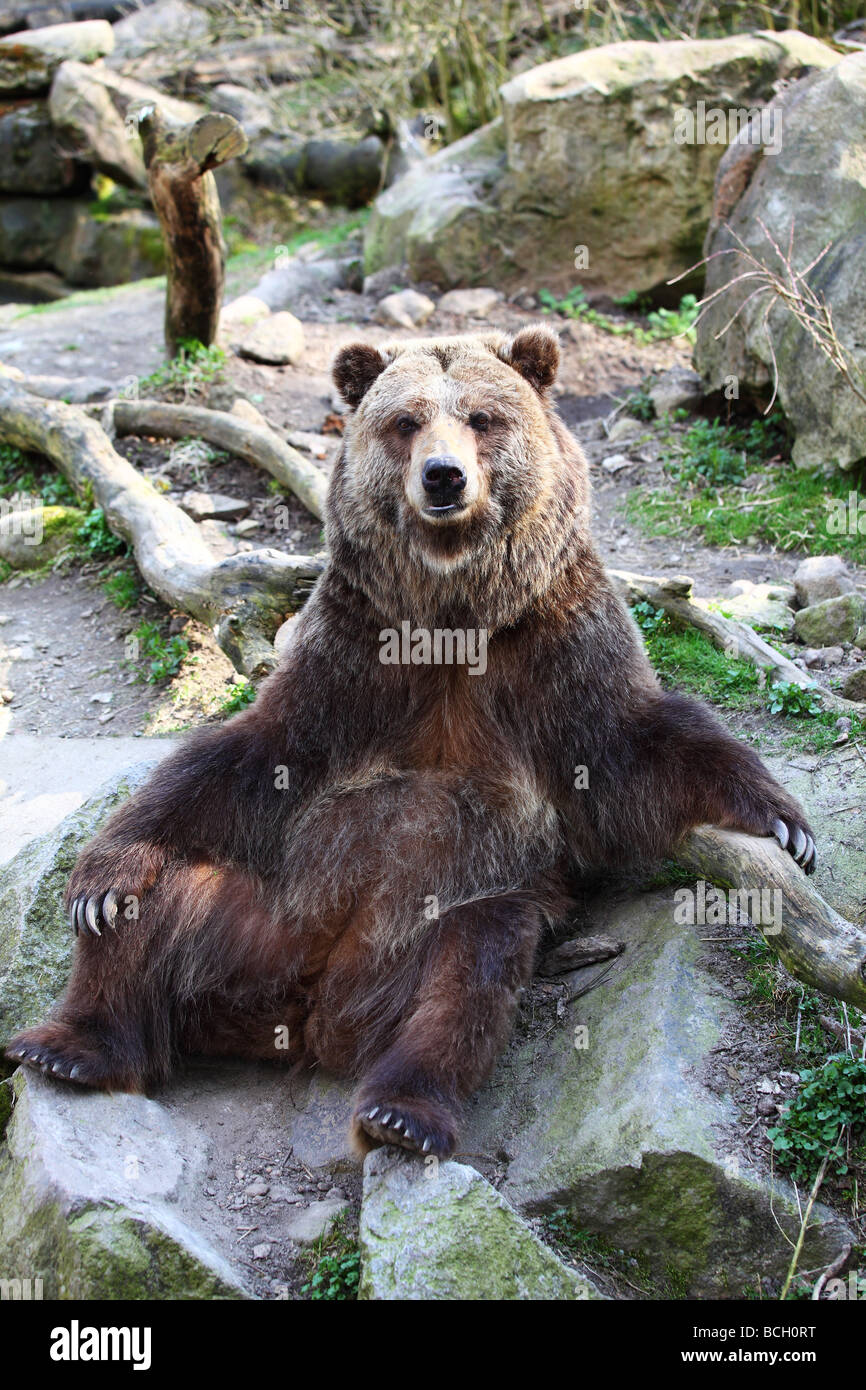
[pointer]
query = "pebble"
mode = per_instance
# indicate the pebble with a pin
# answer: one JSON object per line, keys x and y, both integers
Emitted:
{"x": 261, "y": 1252}
{"x": 258, "y": 1189}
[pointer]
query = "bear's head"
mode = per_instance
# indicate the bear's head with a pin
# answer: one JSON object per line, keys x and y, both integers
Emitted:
{"x": 453, "y": 456}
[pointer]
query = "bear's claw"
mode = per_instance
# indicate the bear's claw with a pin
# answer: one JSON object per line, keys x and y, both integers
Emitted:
{"x": 400, "y": 1125}
{"x": 86, "y": 914}
{"x": 799, "y": 844}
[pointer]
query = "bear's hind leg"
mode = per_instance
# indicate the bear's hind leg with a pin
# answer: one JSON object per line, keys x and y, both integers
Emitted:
{"x": 476, "y": 964}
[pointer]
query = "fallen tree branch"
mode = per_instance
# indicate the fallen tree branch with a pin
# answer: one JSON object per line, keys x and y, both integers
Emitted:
{"x": 178, "y": 159}
{"x": 259, "y": 446}
{"x": 244, "y": 597}
{"x": 816, "y": 943}
{"x": 737, "y": 638}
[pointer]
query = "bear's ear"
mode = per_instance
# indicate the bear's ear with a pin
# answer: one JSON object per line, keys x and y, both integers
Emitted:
{"x": 534, "y": 353}
{"x": 355, "y": 369}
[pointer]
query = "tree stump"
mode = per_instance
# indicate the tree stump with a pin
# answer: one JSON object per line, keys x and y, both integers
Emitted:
{"x": 178, "y": 159}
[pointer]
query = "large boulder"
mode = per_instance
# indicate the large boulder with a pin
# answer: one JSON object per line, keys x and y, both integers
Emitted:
{"x": 35, "y": 937}
{"x": 92, "y": 1199}
{"x": 111, "y": 248}
{"x": 604, "y": 150}
{"x": 31, "y": 158}
{"x": 439, "y": 1231}
{"x": 28, "y": 60}
{"x": 32, "y": 230}
{"x": 625, "y": 1118}
{"x": 90, "y": 111}
{"x": 808, "y": 193}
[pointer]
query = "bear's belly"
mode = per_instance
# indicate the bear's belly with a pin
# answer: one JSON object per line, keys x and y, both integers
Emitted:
{"x": 402, "y": 847}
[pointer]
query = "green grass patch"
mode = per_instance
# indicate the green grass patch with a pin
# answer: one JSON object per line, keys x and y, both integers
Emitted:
{"x": 687, "y": 660}
{"x": 158, "y": 657}
{"x": 827, "y": 1115}
{"x": 242, "y": 694}
{"x": 660, "y": 323}
{"x": 188, "y": 375}
{"x": 28, "y": 474}
{"x": 792, "y": 508}
{"x": 335, "y": 1267}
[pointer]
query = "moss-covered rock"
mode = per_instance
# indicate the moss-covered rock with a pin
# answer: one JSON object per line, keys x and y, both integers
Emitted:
{"x": 35, "y": 937}
{"x": 440, "y": 1231}
{"x": 624, "y": 1126}
{"x": 31, "y": 536}
{"x": 830, "y": 621}
{"x": 593, "y": 151}
{"x": 90, "y": 1200}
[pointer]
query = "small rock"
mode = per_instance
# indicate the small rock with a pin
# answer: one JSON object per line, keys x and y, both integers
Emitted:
{"x": 407, "y": 309}
{"x": 830, "y": 621}
{"x": 277, "y": 341}
{"x": 261, "y": 1252}
{"x": 242, "y": 313}
{"x": 204, "y": 506}
{"x": 6, "y": 695}
{"x": 860, "y": 639}
{"x": 474, "y": 304}
{"x": 855, "y": 686}
{"x": 831, "y": 656}
{"x": 244, "y": 528}
{"x": 624, "y": 428}
{"x": 309, "y": 1224}
{"x": 676, "y": 389}
{"x": 820, "y": 577}
{"x": 615, "y": 462}
{"x": 766, "y": 1105}
{"x": 258, "y": 1189}
{"x": 104, "y": 697}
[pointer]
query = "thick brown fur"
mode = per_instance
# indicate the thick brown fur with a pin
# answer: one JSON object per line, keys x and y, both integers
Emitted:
{"x": 362, "y": 862}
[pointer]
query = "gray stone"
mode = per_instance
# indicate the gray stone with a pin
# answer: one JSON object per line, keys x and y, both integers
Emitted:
{"x": 149, "y": 28}
{"x": 814, "y": 184}
{"x": 679, "y": 388}
{"x": 278, "y": 339}
{"x": 204, "y": 506}
{"x": 820, "y": 577}
{"x": 507, "y": 204}
{"x": 831, "y": 621}
{"x": 31, "y": 159}
{"x": 32, "y": 230}
{"x": 474, "y": 304}
{"x": 619, "y": 1124}
{"x": 439, "y": 1231}
{"x": 35, "y": 938}
{"x": 28, "y": 60}
{"x": 762, "y": 606}
{"x": 241, "y": 314}
{"x": 90, "y": 1186}
{"x": 31, "y": 536}
{"x": 854, "y": 687}
{"x": 112, "y": 248}
{"x": 287, "y": 285}
{"x": 306, "y": 1225}
{"x": 254, "y": 110}
{"x": 405, "y": 309}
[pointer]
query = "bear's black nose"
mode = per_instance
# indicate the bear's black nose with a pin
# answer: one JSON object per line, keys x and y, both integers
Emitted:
{"x": 443, "y": 474}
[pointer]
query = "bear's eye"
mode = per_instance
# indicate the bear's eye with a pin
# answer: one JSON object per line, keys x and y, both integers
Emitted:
{"x": 406, "y": 425}
{"x": 480, "y": 421}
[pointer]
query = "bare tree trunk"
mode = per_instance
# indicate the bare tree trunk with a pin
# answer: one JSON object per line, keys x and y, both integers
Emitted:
{"x": 178, "y": 160}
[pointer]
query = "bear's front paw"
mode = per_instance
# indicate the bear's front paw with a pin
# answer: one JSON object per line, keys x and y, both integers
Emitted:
{"x": 417, "y": 1124}
{"x": 797, "y": 840}
{"x": 108, "y": 883}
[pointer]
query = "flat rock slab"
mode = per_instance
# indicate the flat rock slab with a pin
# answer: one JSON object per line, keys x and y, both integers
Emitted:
{"x": 28, "y": 60}
{"x": 44, "y": 779}
{"x": 615, "y": 1118}
{"x": 90, "y": 1193}
{"x": 439, "y": 1231}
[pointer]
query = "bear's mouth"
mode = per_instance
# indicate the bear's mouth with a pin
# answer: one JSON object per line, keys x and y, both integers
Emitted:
{"x": 436, "y": 509}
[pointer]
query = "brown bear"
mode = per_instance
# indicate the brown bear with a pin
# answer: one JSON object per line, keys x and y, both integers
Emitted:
{"x": 363, "y": 861}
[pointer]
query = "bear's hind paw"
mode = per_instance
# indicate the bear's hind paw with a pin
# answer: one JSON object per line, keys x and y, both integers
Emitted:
{"x": 420, "y": 1126}
{"x": 55, "y": 1050}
